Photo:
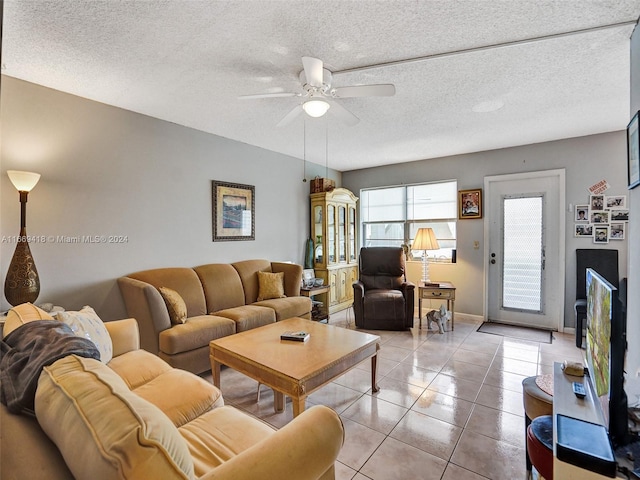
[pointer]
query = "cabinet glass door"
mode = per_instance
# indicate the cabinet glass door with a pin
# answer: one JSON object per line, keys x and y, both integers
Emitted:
{"x": 342, "y": 234}
{"x": 331, "y": 233}
{"x": 317, "y": 233}
{"x": 352, "y": 234}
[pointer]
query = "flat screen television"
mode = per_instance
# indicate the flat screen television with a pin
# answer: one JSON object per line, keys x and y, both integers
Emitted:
{"x": 606, "y": 348}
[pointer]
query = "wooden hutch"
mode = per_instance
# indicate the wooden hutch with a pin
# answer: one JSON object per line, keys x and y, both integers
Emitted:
{"x": 335, "y": 255}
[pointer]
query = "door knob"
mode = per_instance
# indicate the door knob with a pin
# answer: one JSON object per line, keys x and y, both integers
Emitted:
{"x": 493, "y": 261}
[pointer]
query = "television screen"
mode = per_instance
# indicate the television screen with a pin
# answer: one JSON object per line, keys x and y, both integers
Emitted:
{"x": 606, "y": 347}
{"x": 599, "y": 315}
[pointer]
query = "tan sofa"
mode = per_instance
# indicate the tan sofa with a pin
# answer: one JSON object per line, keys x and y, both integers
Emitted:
{"x": 138, "y": 418}
{"x": 221, "y": 299}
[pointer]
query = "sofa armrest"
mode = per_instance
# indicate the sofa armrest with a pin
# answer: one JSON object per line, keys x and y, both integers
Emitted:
{"x": 408, "y": 289}
{"x": 292, "y": 277}
{"x": 124, "y": 335}
{"x": 145, "y": 304}
{"x": 306, "y": 448}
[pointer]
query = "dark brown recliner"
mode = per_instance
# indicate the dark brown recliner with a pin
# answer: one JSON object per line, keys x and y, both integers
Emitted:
{"x": 382, "y": 297}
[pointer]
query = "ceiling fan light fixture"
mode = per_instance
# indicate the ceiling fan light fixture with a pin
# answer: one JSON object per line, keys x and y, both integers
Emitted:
{"x": 315, "y": 108}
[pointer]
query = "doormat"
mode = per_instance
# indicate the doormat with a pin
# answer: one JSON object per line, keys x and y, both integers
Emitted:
{"x": 514, "y": 331}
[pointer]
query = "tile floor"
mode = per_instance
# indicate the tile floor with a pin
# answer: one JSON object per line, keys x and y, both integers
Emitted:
{"x": 449, "y": 405}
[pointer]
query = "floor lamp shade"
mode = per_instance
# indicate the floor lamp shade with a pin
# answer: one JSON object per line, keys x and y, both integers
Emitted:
{"x": 425, "y": 240}
{"x": 22, "y": 283}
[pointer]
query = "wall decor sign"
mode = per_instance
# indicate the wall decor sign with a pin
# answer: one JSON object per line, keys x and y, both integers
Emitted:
{"x": 633, "y": 152}
{"x": 234, "y": 211}
{"x": 470, "y": 203}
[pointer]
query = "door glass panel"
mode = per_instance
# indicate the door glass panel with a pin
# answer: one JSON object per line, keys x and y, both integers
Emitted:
{"x": 342, "y": 234}
{"x": 522, "y": 254}
{"x": 352, "y": 234}
{"x": 317, "y": 233}
{"x": 331, "y": 233}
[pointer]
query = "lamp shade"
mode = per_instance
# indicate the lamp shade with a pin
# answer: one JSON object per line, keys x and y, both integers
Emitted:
{"x": 23, "y": 181}
{"x": 315, "y": 108}
{"x": 425, "y": 240}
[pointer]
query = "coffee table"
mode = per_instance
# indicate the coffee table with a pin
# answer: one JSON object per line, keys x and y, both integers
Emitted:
{"x": 292, "y": 368}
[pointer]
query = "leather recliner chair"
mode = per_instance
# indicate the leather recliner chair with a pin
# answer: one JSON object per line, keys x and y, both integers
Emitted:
{"x": 382, "y": 297}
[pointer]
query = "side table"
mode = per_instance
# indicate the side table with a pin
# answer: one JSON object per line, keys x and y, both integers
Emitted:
{"x": 437, "y": 291}
{"x": 319, "y": 311}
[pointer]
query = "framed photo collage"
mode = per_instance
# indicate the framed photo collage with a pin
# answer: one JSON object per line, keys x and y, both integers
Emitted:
{"x": 604, "y": 218}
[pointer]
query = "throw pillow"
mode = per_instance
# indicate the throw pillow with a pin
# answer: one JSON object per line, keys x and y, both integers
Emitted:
{"x": 270, "y": 285}
{"x": 175, "y": 304}
{"x": 21, "y": 314}
{"x": 87, "y": 324}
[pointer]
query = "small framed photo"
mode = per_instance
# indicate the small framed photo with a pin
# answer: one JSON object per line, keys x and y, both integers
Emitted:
{"x": 599, "y": 216}
{"x": 617, "y": 231}
{"x": 601, "y": 234}
{"x": 596, "y": 202}
{"x": 470, "y": 203}
{"x": 615, "y": 202}
{"x": 583, "y": 230}
{"x": 582, "y": 213}
{"x": 633, "y": 152}
{"x": 620, "y": 215}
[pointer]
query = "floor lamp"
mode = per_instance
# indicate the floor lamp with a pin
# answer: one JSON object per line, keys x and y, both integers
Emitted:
{"x": 22, "y": 284}
{"x": 425, "y": 240}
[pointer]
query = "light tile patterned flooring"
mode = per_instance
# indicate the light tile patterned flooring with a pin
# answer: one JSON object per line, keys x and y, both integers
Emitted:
{"x": 449, "y": 405}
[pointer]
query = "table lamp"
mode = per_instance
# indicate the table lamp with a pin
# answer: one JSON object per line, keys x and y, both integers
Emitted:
{"x": 22, "y": 283}
{"x": 425, "y": 240}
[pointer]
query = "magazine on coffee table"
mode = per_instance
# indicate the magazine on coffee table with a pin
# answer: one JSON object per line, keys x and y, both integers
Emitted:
{"x": 295, "y": 336}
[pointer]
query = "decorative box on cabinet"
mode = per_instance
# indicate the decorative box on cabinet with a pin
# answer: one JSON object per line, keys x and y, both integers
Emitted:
{"x": 334, "y": 234}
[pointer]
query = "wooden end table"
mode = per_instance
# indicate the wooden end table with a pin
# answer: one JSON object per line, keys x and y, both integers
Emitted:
{"x": 292, "y": 368}
{"x": 320, "y": 314}
{"x": 438, "y": 291}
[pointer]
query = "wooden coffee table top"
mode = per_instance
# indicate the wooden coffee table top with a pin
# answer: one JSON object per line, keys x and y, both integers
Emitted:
{"x": 298, "y": 360}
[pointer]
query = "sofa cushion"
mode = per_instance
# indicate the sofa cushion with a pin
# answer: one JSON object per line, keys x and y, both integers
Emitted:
{"x": 288, "y": 307}
{"x": 181, "y": 279}
{"x": 196, "y": 332}
{"x": 21, "y": 314}
{"x": 189, "y": 396}
{"x": 247, "y": 270}
{"x": 221, "y": 434}
{"x": 87, "y": 324}
{"x": 249, "y": 316}
{"x": 138, "y": 367}
{"x": 102, "y": 429}
{"x": 175, "y": 305}
{"x": 270, "y": 285}
{"x": 222, "y": 286}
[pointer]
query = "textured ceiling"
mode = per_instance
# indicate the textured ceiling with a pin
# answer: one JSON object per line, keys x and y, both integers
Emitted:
{"x": 187, "y": 61}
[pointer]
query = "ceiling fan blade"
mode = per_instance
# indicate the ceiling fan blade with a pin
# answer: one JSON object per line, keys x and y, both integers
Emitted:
{"x": 382, "y": 90}
{"x": 288, "y": 118}
{"x": 266, "y": 95}
{"x": 343, "y": 114}
{"x": 313, "y": 71}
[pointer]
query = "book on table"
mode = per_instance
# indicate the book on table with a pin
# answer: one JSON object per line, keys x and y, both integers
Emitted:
{"x": 295, "y": 336}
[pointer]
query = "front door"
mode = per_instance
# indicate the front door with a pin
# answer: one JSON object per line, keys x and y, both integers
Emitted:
{"x": 524, "y": 235}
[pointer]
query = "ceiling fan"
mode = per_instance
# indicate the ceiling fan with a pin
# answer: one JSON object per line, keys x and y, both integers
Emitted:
{"x": 319, "y": 94}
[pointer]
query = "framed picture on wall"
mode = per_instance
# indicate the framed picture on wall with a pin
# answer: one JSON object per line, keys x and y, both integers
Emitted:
{"x": 601, "y": 234}
{"x": 470, "y": 203}
{"x": 617, "y": 231}
{"x": 583, "y": 230}
{"x": 234, "y": 211}
{"x": 582, "y": 213}
{"x": 633, "y": 152}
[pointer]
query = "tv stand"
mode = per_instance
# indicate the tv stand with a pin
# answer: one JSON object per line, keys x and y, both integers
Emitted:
{"x": 566, "y": 403}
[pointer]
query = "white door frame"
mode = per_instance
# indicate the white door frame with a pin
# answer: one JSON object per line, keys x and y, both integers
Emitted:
{"x": 559, "y": 269}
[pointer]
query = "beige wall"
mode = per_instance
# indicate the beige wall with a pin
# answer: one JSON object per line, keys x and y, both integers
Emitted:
{"x": 586, "y": 160}
{"x": 107, "y": 171}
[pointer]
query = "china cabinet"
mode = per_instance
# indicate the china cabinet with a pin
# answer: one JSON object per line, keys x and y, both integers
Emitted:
{"x": 335, "y": 258}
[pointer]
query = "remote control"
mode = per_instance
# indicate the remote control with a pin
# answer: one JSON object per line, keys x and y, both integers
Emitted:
{"x": 579, "y": 390}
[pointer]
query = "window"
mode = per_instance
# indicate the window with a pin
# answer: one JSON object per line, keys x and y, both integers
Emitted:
{"x": 391, "y": 216}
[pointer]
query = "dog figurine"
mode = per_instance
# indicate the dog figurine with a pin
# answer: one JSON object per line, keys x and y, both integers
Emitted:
{"x": 439, "y": 317}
